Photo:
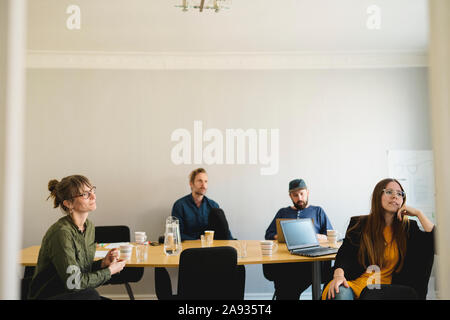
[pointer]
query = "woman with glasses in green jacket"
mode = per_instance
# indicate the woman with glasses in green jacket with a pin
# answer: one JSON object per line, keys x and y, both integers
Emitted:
{"x": 66, "y": 268}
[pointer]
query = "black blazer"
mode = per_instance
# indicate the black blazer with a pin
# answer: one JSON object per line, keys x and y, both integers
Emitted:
{"x": 418, "y": 259}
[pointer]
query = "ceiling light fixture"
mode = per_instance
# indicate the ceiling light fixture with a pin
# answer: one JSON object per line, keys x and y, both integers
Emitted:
{"x": 215, "y": 5}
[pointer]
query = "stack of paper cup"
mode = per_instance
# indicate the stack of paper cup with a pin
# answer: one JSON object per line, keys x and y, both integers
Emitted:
{"x": 125, "y": 251}
{"x": 140, "y": 237}
{"x": 331, "y": 236}
{"x": 268, "y": 247}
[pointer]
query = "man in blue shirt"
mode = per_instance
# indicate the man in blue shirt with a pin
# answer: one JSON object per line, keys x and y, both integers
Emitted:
{"x": 300, "y": 209}
{"x": 193, "y": 210}
{"x": 291, "y": 279}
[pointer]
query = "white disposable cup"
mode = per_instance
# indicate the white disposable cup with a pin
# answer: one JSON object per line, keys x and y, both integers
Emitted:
{"x": 125, "y": 251}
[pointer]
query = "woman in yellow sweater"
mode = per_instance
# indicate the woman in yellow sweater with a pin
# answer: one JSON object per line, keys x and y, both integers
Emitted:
{"x": 384, "y": 248}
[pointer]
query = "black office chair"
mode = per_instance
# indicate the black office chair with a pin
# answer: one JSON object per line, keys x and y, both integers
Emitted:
{"x": 108, "y": 234}
{"x": 268, "y": 274}
{"x": 204, "y": 274}
{"x": 217, "y": 221}
{"x": 26, "y": 282}
{"x": 389, "y": 292}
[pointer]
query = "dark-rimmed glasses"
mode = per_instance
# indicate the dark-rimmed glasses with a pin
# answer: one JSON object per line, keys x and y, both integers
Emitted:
{"x": 87, "y": 194}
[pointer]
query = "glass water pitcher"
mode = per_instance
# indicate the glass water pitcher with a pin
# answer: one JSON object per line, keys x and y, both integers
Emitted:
{"x": 172, "y": 238}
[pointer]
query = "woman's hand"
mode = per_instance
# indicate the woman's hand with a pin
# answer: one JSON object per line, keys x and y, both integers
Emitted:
{"x": 407, "y": 211}
{"x": 410, "y": 211}
{"x": 116, "y": 266}
{"x": 338, "y": 280}
{"x": 110, "y": 257}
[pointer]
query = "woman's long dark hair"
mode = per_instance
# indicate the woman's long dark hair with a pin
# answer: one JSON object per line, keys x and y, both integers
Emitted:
{"x": 372, "y": 240}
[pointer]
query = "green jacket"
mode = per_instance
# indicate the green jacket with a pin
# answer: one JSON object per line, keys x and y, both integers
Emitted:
{"x": 66, "y": 261}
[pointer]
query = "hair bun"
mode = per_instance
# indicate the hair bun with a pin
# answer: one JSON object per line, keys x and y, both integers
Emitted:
{"x": 52, "y": 185}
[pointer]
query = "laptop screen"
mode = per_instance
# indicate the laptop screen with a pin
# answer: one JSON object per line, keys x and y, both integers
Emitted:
{"x": 299, "y": 233}
{"x": 280, "y": 235}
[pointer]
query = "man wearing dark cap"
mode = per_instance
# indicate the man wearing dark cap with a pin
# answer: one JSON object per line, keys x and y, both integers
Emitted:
{"x": 299, "y": 194}
{"x": 291, "y": 279}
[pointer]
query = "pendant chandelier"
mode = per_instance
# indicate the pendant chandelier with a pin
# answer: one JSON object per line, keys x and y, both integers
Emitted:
{"x": 215, "y": 5}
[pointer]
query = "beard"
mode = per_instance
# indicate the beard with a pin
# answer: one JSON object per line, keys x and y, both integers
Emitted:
{"x": 300, "y": 205}
{"x": 200, "y": 192}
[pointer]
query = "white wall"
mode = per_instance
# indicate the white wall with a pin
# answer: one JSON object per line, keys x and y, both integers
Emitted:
{"x": 115, "y": 127}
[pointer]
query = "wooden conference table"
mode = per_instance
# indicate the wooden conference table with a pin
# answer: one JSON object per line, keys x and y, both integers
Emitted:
{"x": 157, "y": 258}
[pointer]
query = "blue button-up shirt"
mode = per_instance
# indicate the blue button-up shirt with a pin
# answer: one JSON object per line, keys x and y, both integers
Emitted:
{"x": 193, "y": 219}
{"x": 320, "y": 219}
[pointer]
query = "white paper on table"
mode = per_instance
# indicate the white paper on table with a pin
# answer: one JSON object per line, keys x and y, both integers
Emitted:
{"x": 115, "y": 245}
{"x": 100, "y": 254}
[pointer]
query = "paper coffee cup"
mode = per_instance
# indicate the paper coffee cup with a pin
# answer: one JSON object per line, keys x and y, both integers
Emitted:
{"x": 209, "y": 237}
{"x": 331, "y": 232}
{"x": 332, "y": 239}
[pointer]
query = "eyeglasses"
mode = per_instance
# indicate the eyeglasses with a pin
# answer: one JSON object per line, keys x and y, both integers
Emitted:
{"x": 86, "y": 195}
{"x": 391, "y": 193}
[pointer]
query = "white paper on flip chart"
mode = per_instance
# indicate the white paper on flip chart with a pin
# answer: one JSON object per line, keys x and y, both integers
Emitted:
{"x": 414, "y": 170}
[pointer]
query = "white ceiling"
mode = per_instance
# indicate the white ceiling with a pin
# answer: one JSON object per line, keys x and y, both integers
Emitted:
{"x": 249, "y": 26}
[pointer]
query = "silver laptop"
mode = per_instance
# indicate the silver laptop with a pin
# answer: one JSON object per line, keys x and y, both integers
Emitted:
{"x": 301, "y": 239}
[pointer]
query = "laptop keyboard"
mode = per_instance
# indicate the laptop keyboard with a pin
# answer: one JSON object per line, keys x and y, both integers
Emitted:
{"x": 315, "y": 252}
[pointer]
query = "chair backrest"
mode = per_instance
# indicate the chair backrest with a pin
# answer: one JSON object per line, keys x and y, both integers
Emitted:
{"x": 422, "y": 259}
{"x": 209, "y": 274}
{"x": 105, "y": 234}
{"x": 218, "y": 222}
{"x": 108, "y": 234}
{"x": 389, "y": 292}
